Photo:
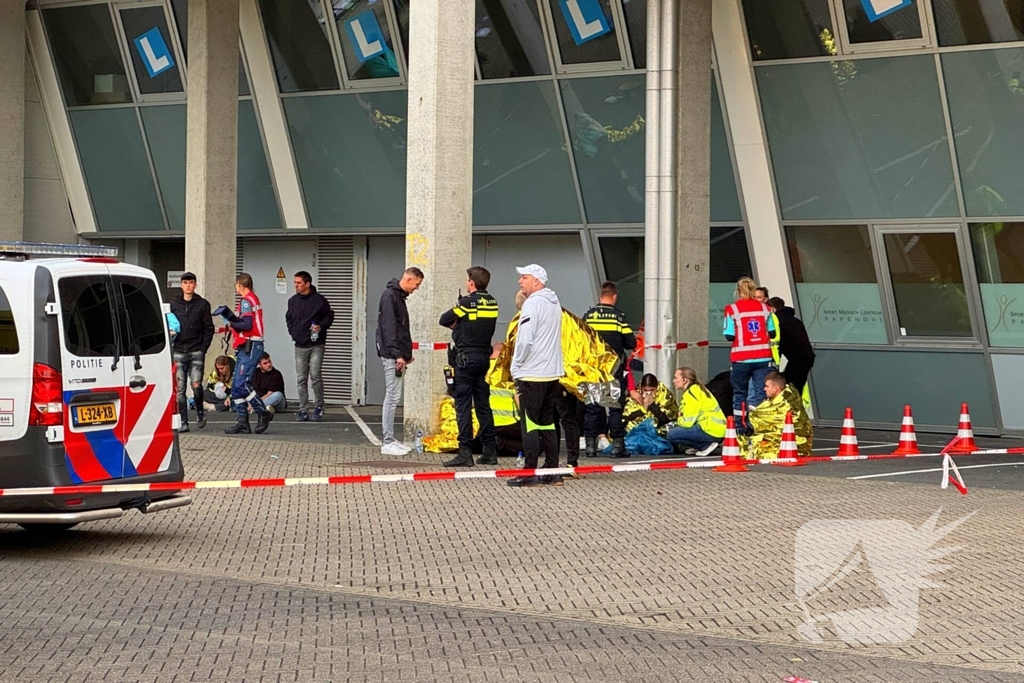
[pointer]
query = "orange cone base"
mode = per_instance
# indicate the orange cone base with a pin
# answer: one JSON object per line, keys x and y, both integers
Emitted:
{"x": 731, "y": 467}
{"x": 907, "y": 450}
{"x": 961, "y": 448}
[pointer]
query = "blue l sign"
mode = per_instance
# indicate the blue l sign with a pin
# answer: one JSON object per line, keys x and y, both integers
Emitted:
{"x": 366, "y": 36}
{"x": 153, "y": 51}
{"x": 876, "y": 9}
{"x": 585, "y": 18}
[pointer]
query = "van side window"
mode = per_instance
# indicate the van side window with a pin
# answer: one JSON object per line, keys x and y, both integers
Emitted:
{"x": 85, "y": 302}
{"x": 144, "y": 317}
{"x": 8, "y": 332}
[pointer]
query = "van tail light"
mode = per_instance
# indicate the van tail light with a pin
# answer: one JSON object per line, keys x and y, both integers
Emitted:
{"x": 47, "y": 392}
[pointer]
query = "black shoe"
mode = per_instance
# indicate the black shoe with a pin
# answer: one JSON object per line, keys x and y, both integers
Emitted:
{"x": 263, "y": 421}
{"x": 240, "y": 427}
{"x": 490, "y": 456}
{"x": 183, "y": 429}
{"x": 619, "y": 448}
{"x": 525, "y": 482}
{"x": 201, "y": 423}
{"x": 463, "y": 459}
{"x": 552, "y": 480}
{"x": 591, "y": 447}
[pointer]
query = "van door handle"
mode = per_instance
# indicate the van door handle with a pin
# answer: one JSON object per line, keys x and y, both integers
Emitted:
{"x": 137, "y": 382}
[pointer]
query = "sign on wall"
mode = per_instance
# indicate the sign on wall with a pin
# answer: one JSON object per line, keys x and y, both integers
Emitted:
{"x": 366, "y": 36}
{"x": 585, "y": 19}
{"x": 153, "y": 50}
{"x": 847, "y": 312}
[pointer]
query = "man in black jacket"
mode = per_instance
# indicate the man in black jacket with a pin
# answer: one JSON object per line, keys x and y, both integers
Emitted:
{"x": 190, "y": 346}
{"x": 794, "y": 344}
{"x": 308, "y": 318}
{"x": 268, "y": 383}
{"x": 394, "y": 347}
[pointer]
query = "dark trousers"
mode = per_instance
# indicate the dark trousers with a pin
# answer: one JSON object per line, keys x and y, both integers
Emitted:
{"x": 748, "y": 387}
{"x": 797, "y": 371}
{"x": 242, "y": 393}
{"x": 567, "y": 406}
{"x": 471, "y": 391}
{"x": 537, "y": 405}
{"x": 595, "y": 416}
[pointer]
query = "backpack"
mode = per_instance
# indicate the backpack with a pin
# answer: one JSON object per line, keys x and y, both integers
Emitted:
{"x": 721, "y": 388}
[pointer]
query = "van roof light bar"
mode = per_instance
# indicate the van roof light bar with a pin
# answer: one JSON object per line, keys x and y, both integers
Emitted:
{"x": 27, "y": 249}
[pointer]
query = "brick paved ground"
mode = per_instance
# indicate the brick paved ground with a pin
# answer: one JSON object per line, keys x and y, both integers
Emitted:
{"x": 665, "y": 576}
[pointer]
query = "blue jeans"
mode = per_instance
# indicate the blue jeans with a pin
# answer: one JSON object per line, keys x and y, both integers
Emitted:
{"x": 242, "y": 392}
{"x": 275, "y": 400}
{"x": 689, "y": 437}
{"x": 748, "y": 387}
{"x": 188, "y": 369}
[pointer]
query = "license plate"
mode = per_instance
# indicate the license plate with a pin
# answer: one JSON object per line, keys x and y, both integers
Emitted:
{"x": 97, "y": 414}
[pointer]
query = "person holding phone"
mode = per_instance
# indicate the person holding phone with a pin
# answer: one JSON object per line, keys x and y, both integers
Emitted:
{"x": 394, "y": 347}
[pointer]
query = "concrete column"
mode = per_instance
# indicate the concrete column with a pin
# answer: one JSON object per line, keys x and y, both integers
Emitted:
{"x": 12, "y": 119}
{"x": 212, "y": 148}
{"x": 693, "y": 182}
{"x": 439, "y": 190}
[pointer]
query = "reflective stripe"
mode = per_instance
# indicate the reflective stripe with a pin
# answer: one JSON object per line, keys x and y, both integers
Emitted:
{"x": 459, "y": 311}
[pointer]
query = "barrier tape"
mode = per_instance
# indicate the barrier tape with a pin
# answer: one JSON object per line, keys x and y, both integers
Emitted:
{"x": 677, "y": 346}
{"x": 443, "y": 475}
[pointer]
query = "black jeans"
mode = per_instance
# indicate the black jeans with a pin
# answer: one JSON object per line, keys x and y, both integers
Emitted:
{"x": 797, "y": 371}
{"x": 537, "y": 405}
{"x": 568, "y": 407}
{"x": 472, "y": 391}
{"x": 595, "y": 415}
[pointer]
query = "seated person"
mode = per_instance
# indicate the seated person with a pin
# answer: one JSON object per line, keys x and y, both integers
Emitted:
{"x": 652, "y": 400}
{"x": 701, "y": 423}
{"x": 268, "y": 383}
{"x": 217, "y": 395}
{"x": 768, "y": 419}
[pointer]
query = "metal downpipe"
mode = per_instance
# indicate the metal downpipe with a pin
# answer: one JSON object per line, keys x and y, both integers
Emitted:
{"x": 652, "y": 184}
{"x": 667, "y": 193}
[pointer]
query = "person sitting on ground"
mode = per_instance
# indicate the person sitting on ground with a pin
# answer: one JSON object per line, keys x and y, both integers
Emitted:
{"x": 768, "y": 419}
{"x": 268, "y": 383}
{"x": 218, "y": 385}
{"x": 653, "y": 400}
{"x": 701, "y": 423}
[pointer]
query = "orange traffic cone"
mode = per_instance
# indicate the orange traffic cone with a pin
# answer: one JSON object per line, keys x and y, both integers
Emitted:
{"x": 787, "y": 448}
{"x": 964, "y": 441}
{"x": 908, "y": 436}
{"x": 731, "y": 458}
{"x": 848, "y": 439}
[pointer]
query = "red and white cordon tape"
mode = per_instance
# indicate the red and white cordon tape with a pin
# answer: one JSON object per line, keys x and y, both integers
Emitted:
{"x": 430, "y": 346}
{"x": 444, "y": 475}
{"x": 676, "y": 346}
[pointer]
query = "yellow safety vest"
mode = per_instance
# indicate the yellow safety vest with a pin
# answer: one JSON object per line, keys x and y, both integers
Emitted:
{"x": 700, "y": 408}
{"x": 503, "y": 407}
{"x": 778, "y": 337}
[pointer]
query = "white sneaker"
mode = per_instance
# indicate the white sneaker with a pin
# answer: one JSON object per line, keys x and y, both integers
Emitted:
{"x": 602, "y": 444}
{"x": 708, "y": 450}
{"x": 404, "y": 446}
{"x": 393, "y": 448}
{"x": 583, "y": 442}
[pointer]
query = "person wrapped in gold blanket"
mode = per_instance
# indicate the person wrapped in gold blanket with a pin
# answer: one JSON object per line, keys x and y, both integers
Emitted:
{"x": 768, "y": 419}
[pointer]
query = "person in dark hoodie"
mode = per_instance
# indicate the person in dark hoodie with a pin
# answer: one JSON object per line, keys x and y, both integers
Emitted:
{"x": 308, "y": 318}
{"x": 190, "y": 346}
{"x": 394, "y": 347}
{"x": 794, "y": 344}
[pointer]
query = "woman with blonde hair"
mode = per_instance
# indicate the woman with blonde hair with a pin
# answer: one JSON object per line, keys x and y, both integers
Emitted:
{"x": 748, "y": 324}
{"x": 701, "y": 422}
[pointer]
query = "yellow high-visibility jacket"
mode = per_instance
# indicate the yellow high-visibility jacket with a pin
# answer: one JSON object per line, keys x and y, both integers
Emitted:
{"x": 776, "y": 356}
{"x": 699, "y": 407}
{"x": 663, "y": 409}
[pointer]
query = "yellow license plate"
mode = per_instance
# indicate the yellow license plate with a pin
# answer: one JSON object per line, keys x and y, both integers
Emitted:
{"x": 99, "y": 414}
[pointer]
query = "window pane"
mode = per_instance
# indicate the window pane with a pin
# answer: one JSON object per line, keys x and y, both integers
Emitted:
{"x": 836, "y": 284}
{"x": 986, "y": 105}
{"x": 858, "y": 139}
{"x": 87, "y": 315}
{"x": 585, "y": 39}
{"x": 729, "y": 261}
{"x": 623, "y": 259}
{"x": 366, "y": 41}
{"x": 146, "y": 333}
{"x": 257, "y": 201}
{"x": 725, "y": 201}
{"x": 149, "y": 44}
{"x": 521, "y": 171}
{"x": 297, "y": 33}
{"x": 782, "y": 29}
{"x": 606, "y": 126}
{"x": 903, "y": 24}
{"x": 9, "y": 345}
{"x": 350, "y": 151}
{"x": 999, "y": 260}
{"x": 970, "y": 22}
{"x": 509, "y": 39}
{"x": 180, "y": 11}
{"x": 928, "y": 284}
{"x": 401, "y": 8}
{"x": 86, "y": 55}
{"x": 116, "y": 169}
{"x": 636, "y": 28}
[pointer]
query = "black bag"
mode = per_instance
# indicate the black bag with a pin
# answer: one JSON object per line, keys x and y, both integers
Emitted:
{"x": 721, "y": 388}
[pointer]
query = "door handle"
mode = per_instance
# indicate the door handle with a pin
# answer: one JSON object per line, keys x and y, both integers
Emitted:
{"x": 137, "y": 382}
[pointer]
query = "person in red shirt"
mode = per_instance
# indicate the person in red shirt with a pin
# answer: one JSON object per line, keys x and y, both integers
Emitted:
{"x": 247, "y": 340}
{"x": 749, "y": 325}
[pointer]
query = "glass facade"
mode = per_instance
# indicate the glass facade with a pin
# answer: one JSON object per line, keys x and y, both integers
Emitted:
{"x": 86, "y": 55}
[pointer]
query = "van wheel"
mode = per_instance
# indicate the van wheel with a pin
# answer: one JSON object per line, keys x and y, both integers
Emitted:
{"x": 42, "y": 529}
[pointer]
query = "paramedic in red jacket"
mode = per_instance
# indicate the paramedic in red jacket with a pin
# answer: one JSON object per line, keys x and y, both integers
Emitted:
{"x": 749, "y": 326}
{"x": 247, "y": 340}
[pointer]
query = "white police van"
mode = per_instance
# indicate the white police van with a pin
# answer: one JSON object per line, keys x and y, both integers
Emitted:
{"x": 87, "y": 393}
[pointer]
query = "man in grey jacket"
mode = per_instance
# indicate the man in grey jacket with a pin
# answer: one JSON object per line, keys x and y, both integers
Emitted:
{"x": 536, "y": 368}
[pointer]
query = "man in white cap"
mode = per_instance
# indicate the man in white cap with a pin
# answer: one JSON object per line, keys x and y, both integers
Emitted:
{"x": 536, "y": 368}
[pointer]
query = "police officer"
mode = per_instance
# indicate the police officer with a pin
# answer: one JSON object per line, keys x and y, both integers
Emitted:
{"x": 472, "y": 322}
{"x": 611, "y": 324}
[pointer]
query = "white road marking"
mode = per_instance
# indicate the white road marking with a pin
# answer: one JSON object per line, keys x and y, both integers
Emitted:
{"x": 362, "y": 425}
{"x": 939, "y": 469}
{"x": 873, "y": 445}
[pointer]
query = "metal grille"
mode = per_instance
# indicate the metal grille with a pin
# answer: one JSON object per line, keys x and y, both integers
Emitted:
{"x": 335, "y": 280}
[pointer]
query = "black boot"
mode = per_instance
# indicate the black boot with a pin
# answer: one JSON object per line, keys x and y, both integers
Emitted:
{"x": 591, "y": 446}
{"x": 201, "y": 419}
{"x": 619, "y": 448}
{"x": 241, "y": 426}
{"x": 463, "y": 459}
{"x": 263, "y": 420}
{"x": 490, "y": 456}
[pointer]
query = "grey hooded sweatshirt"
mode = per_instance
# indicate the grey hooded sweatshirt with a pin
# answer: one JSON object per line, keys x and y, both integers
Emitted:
{"x": 538, "y": 351}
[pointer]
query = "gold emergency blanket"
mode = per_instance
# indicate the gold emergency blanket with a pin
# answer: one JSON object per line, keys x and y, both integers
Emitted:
{"x": 588, "y": 360}
{"x": 768, "y": 419}
{"x": 634, "y": 413}
{"x": 447, "y": 437}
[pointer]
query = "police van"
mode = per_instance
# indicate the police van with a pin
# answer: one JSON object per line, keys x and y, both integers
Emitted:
{"x": 87, "y": 393}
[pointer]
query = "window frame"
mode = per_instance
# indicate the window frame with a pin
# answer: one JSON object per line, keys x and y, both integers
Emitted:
{"x": 848, "y": 47}
{"x": 341, "y": 66}
{"x": 625, "y": 61}
{"x": 175, "y": 46}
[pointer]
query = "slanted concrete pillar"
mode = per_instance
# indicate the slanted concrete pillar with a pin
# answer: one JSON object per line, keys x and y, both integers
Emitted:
{"x": 12, "y": 119}
{"x": 439, "y": 187}
{"x": 212, "y": 148}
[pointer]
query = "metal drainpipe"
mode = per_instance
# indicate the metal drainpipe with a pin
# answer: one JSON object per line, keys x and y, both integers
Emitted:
{"x": 669, "y": 172}
{"x": 652, "y": 184}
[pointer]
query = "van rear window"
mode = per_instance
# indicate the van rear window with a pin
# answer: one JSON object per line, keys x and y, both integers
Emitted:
{"x": 85, "y": 302}
{"x": 8, "y": 332}
{"x": 145, "y": 319}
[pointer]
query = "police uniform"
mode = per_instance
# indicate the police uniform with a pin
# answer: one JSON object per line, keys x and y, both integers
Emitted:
{"x": 474, "y": 319}
{"x": 611, "y": 324}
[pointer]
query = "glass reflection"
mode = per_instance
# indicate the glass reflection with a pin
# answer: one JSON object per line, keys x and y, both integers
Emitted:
{"x": 928, "y": 284}
{"x": 972, "y": 22}
{"x": 366, "y": 42}
{"x": 86, "y": 55}
{"x": 903, "y": 24}
{"x": 299, "y": 45}
{"x": 602, "y": 48}
{"x": 509, "y": 39}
